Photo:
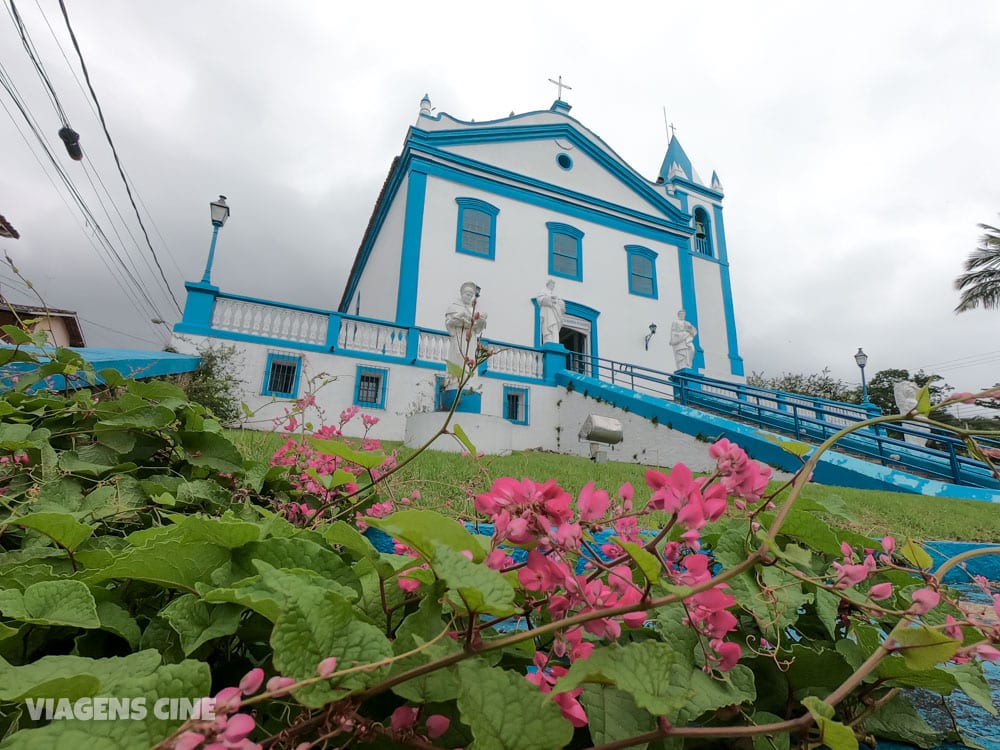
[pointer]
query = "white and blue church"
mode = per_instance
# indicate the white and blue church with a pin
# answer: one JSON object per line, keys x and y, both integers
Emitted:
{"x": 506, "y": 204}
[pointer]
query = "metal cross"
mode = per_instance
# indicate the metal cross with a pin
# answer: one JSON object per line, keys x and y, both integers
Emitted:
{"x": 672, "y": 129}
{"x": 561, "y": 86}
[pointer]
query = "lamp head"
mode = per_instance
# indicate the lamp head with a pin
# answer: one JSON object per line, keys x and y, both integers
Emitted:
{"x": 220, "y": 211}
{"x": 861, "y": 358}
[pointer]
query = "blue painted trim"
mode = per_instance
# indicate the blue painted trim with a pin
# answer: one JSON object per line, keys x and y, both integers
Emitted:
{"x": 689, "y": 301}
{"x": 383, "y": 388}
{"x": 564, "y": 160}
{"x": 446, "y": 162}
{"x": 700, "y": 211}
{"x": 490, "y": 210}
{"x": 332, "y": 331}
{"x": 409, "y": 262}
{"x": 735, "y": 360}
{"x": 199, "y": 305}
{"x": 590, "y": 314}
{"x": 273, "y": 357}
{"x": 638, "y": 251}
{"x": 518, "y": 378}
{"x": 525, "y": 396}
{"x": 558, "y": 228}
{"x": 582, "y": 139}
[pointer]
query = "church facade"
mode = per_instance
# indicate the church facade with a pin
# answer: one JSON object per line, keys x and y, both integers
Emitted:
{"x": 508, "y": 205}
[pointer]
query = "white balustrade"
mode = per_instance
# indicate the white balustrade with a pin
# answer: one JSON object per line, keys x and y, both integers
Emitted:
{"x": 512, "y": 360}
{"x": 269, "y": 321}
{"x": 365, "y": 336}
{"x": 432, "y": 347}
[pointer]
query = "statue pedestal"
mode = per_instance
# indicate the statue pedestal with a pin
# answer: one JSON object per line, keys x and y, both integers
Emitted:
{"x": 469, "y": 402}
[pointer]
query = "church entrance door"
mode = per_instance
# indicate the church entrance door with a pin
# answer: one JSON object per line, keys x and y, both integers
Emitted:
{"x": 576, "y": 342}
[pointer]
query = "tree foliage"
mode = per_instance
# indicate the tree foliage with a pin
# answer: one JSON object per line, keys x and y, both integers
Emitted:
{"x": 820, "y": 385}
{"x": 215, "y": 385}
{"x": 980, "y": 284}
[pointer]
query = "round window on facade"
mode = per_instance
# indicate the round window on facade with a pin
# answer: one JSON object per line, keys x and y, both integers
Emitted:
{"x": 565, "y": 161}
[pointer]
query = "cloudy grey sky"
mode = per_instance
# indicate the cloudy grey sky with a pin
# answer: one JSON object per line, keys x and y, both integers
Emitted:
{"x": 857, "y": 143}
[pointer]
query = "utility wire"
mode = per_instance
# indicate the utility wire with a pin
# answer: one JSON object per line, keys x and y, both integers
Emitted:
{"x": 114, "y": 151}
{"x": 37, "y": 62}
{"x": 89, "y": 217}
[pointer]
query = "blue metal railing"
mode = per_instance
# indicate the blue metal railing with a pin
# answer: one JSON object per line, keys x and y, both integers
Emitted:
{"x": 906, "y": 445}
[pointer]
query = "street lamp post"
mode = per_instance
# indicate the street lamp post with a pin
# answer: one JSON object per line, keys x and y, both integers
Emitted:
{"x": 862, "y": 359}
{"x": 220, "y": 212}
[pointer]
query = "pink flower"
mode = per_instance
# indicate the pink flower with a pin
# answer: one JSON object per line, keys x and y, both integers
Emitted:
{"x": 327, "y": 667}
{"x": 403, "y": 717}
{"x": 239, "y": 727}
{"x": 437, "y": 725}
{"x": 952, "y": 628}
{"x": 924, "y": 600}
{"x": 592, "y": 503}
{"x": 987, "y": 653}
{"x": 964, "y": 396}
{"x": 849, "y": 575}
{"x": 279, "y": 685}
{"x": 729, "y": 654}
{"x": 252, "y": 681}
{"x": 188, "y": 741}
{"x": 228, "y": 700}
{"x": 889, "y": 544}
{"x": 880, "y": 591}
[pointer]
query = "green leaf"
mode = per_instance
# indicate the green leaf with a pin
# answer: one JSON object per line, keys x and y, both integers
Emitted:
{"x": 197, "y": 622}
{"x": 17, "y": 335}
{"x": 172, "y": 562}
{"x": 455, "y": 370}
{"x": 297, "y": 552}
{"x": 915, "y": 555}
{"x": 733, "y": 688}
{"x": 7, "y": 632}
{"x": 973, "y": 683}
{"x": 506, "y": 712}
{"x": 646, "y": 561}
{"x": 798, "y": 556}
{"x": 835, "y": 735}
{"x": 923, "y": 648}
{"x": 212, "y": 450}
{"x": 364, "y": 459}
{"x": 52, "y": 603}
{"x": 116, "y": 619}
{"x": 898, "y": 720}
{"x": 614, "y": 716}
{"x": 62, "y": 528}
{"x": 186, "y": 680}
{"x": 317, "y": 624}
{"x": 464, "y": 439}
{"x": 70, "y": 676}
{"x": 418, "y": 629}
{"x": 144, "y": 417}
{"x": 924, "y": 401}
{"x": 13, "y": 436}
{"x": 779, "y": 741}
{"x": 473, "y": 588}
{"x": 653, "y": 673}
{"x": 795, "y": 447}
{"x": 421, "y": 529}
{"x": 343, "y": 534}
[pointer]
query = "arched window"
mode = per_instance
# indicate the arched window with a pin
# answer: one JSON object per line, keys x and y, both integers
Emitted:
{"x": 641, "y": 271}
{"x": 477, "y": 228}
{"x": 702, "y": 232}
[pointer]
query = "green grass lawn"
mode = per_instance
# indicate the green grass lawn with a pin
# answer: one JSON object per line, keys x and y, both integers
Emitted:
{"x": 449, "y": 481}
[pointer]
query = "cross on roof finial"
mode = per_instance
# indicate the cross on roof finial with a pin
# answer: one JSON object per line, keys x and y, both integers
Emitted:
{"x": 561, "y": 86}
{"x": 672, "y": 130}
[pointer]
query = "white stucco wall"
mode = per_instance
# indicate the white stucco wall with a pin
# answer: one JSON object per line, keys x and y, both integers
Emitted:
{"x": 520, "y": 269}
{"x": 380, "y": 280}
{"x": 410, "y": 390}
{"x": 712, "y": 326}
{"x": 643, "y": 443}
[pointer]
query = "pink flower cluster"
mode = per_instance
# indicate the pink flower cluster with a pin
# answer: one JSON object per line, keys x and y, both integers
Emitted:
{"x": 404, "y": 719}
{"x": 229, "y": 730}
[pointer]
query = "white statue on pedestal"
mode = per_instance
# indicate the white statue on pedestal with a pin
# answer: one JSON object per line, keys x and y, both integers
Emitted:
{"x": 465, "y": 325}
{"x": 551, "y": 310}
{"x": 905, "y": 393}
{"x": 682, "y": 335}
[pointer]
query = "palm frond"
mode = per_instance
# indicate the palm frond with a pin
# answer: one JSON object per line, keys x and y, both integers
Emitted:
{"x": 980, "y": 284}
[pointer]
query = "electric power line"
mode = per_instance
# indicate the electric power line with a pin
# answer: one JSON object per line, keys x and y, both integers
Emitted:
{"x": 114, "y": 151}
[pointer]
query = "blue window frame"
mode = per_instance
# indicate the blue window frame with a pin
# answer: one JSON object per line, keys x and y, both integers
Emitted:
{"x": 281, "y": 376}
{"x": 515, "y": 404}
{"x": 641, "y": 271}
{"x": 370, "y": 386}
{"x": 702, "y": 232}
{"x": 477, "y": 228}
{"x": 565, "y": 251}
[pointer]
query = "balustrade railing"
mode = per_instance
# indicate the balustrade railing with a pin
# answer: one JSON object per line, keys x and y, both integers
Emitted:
{"x": 516, "y": 360}
{"x": 369, "y": 336}
{"x": 432, "y": 347}
{"x": 269, "y": 321}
